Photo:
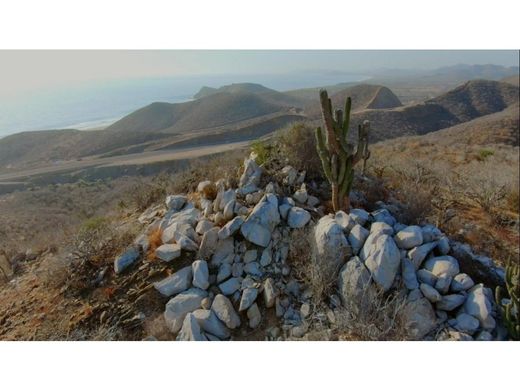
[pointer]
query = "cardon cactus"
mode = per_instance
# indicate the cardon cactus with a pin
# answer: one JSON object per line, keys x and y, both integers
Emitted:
{"x": 510, "y": 311}
{"x": 337, "y": 155}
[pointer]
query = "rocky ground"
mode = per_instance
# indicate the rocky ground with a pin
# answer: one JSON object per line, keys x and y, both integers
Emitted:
{"x": 229, "y": 248}
{"x": 256, "y": 258}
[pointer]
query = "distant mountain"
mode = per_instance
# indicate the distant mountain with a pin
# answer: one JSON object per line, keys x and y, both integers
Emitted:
{"x": 448, "y": 74}
{"x": 477, "y": 98}
{"x": 269, "y": 95}
{"x": 364, "y": 96}
{"x": 214, "y": 110}
{"x": 471, "y": 100}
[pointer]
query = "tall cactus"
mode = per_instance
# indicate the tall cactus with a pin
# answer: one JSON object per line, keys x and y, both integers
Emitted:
{"x": 510, "y": 311}
{"x": 337, "y": 155}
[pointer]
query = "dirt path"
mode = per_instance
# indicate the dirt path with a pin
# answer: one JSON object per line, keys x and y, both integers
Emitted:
{"x": 129, "y": 159}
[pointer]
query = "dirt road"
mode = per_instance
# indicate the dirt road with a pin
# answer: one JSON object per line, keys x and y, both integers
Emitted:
{"x": 128, "y": 159}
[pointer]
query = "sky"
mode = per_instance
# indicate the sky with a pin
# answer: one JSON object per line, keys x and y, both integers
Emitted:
{"x": 27, "y": 70}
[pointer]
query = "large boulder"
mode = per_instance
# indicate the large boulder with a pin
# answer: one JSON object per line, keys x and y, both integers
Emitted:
{"x": 260, "y": 224}
{"x": 298, "y": 217}
{"x": 175, "y": 283}
{"x": 419, "y": 253}
{"x": 442, "y": 265}
{"x": 210, "y": 323}
{"x": 182, "y": 304}
{"x": 331, "y": 245}
{"x": 479, "y": 305}
{"x": 409, "y": 237}
{"x": 384, "y": 261}
{"x": 168, "y": 252}
{"x": 191, "y": 330}
{"x": 223, "y": 309}
{"x": 357, "y": 237}
{"x": 419, "y": 318}
{"x": 354, "y": 280}
{"x": 200, "y": 274}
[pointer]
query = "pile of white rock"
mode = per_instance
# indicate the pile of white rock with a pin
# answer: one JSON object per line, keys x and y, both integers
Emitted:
{"x": 443, "y": 302}
{"x": 239, "y": 239}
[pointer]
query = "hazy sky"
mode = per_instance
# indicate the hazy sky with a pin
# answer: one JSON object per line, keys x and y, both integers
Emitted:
{"x": 23, "y": 71}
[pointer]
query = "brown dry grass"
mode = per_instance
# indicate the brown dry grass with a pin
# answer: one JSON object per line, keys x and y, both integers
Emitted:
{"x": 155, "y": 241}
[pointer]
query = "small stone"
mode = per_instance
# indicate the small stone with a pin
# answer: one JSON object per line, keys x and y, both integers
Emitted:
{"x": 427, "y": 277}
{"x": 443, "y": 245}
{"x": 269, "y": 293}
{"x": 443, "y": 284}
{"x": 450, "y": 302}
{"x": 484, "y": 336}
{"x": 200, "y": 274}
{"x": 266, "y": 257}
{"x": 253, "y": 269}
{"x": 126, "y": 259}
{"x": 357, "y": 237}
{"x": 230, "y": 228}
{"x": 229, "y": 210}
{"x": 254, "y": 316}
{"x": 283, "y": 209}
{"x": 248, "y": 297}
{"x": 190, "y": 330}
{"x": 208, "y": 243}
{"x": 408, "y": 273}
{"x": 359, "y": 216}
{"x": 225, "y": 312}
{"x": 237, "y": 270}
{"x": 461, "y": 282}
{"x": 186, "y": 243}
{"x": 430, "y": 293}
{"x": 345, "y": 221}
{"x": 250, "y": 256}
{"x": 168, "y": 252}
{"x": 305, "y": 310}
{"x": 419, "y": 253}
{"x": 298, "y": 217}
{"x": 419, "y": 318}
{"x": 409, "y": 237}
{"x": 203, "y": 226}
{"x": 467, "y": 323}
{"x": 175, "y": 202}
{"x": 300, "y": 196}
{"x": 229, "y": 286}
{"x": 224, "y": 272}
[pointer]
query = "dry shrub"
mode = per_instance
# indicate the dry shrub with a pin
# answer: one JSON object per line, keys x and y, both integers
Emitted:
{"x": 155, "y": 241}
{"x": 146, "y": 193}
{"x": 319, "y": 276}
{"x": 373, "y": 315}
{"x": 296, "y": 144}
{"x": 513, "y": 200}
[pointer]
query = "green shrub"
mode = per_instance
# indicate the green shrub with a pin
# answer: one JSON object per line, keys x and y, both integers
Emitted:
{"x": 262, "y": 150}
{"x": 483, "y": 154}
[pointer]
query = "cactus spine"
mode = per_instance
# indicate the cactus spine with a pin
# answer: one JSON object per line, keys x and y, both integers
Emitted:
{"x": 337, "y": 155}
{"x": 510, "y": 311}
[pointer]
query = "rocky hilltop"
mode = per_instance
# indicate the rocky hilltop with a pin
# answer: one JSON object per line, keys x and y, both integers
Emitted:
{"x": 231, "y": 247}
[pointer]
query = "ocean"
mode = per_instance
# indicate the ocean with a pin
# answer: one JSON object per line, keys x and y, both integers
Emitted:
{"x": 98, "y": 104}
